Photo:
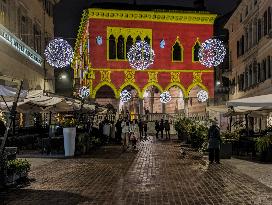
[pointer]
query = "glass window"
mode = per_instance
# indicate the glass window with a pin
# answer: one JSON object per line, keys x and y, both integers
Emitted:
{"x": 177, "y": 52}
{"x": 112, "y": 47}
{"x": 129, "y": 43}
{"x": 196, "y": 50}
{"x": 120, "y": 48}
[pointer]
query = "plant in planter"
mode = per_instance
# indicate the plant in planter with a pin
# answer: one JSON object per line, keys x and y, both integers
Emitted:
{"x": 264, "y": 146}
{"x": 16, "y": 169}
{"x": 69, "y": 134}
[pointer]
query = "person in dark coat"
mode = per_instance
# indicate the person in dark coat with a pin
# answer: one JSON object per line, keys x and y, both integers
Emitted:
{"x": 118, "y": 130}
{"x": 157, "y": 128}
{"x": 141, "y": 128}
{"x": 167, "y": 129}
{"x": 145, "y": 129}
{"x": 161, "y": 128}
{"x": 214, "y": 143}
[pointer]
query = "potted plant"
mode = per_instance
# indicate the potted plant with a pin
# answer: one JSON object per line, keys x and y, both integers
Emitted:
{"x": 264, "y": 146}
{"x": 17, "y": 169}
{"x": 69, "y": 135}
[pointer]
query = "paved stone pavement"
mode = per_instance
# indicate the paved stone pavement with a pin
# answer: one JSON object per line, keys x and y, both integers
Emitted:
{"x": 156, "y": 174}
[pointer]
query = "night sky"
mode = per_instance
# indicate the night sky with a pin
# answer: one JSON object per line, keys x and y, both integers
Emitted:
{"x": 68, "y": 12}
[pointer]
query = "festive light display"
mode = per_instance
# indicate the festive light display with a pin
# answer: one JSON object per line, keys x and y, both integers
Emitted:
{"x": 125, "y": 96}
{"x": 140, "y": 55}
{"x": 84, "y": 92}
{"x": 59, "y": 53}
{"x": 165, "y": 97}
{"x": 211, "y": 53}
{"x": 202, "y": 96}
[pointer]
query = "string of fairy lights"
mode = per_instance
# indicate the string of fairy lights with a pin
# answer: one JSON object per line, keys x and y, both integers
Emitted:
{"x": 140, "y": 56}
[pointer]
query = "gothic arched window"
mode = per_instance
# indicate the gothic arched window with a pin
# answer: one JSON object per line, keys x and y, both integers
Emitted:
{"x": 112, "y": 47}
{"x": 138, "y": 38}
{"x": 146, "y": 39}
{"x": 120, "y": 48}
{"x": 129, "y": 43}
{"x": 177, "y": 52}
{"x": 195, "y": 51}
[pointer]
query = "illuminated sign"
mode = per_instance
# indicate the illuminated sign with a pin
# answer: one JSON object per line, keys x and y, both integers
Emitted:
{"x": 20, "y": 46}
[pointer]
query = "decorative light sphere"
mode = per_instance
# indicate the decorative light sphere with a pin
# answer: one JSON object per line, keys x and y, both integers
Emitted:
{"x": 59, "y": 53}
{"x": 140, "y": 55}
{"x": 125, "y": 96}
{"x": 84, "y": 92}
{"x": 202, "y": 96}
{"x": 165, "y": 97}
{"x": 212, "y": 53}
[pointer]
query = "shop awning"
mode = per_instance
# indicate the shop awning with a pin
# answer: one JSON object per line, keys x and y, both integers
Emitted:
{"x": 256, "y": 101}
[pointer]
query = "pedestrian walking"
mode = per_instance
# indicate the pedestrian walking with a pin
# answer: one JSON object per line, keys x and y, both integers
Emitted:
{"x": 125, "y": 133}
{"x": 167, "y": 129}
{"x": 161, "y": 128}
{"x": 106, "y": 131}
{"x": 134, "y": 133}
{"x": 214, "y": 142}
{"x": 145, "y": 129}
{"x": 141, "y": 129}
{"x": 157, "y": 128}
{"x": 118, "y": 128}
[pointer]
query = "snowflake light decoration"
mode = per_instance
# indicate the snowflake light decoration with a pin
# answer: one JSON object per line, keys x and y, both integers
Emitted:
{"x": 165, "y": 97}
{"x": 59, "y": 53}
{"x": 84, "y": 92}
{"x": 212, "y": 53}
{"x": 140, "y": 55}
{"x": 202, "y": 96}
{"x": 125, "y": 96}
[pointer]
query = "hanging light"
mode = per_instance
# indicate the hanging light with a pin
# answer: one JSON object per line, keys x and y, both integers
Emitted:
{"x": 59, "y": 53}
{"x": 202, "y": 96}
{"x": 125, "y": 96}
{"x": 140, "y": 55}
{"x": 84, "y": 92}
{"x": 165, "y": 97}
{"x": 212, "y": 53}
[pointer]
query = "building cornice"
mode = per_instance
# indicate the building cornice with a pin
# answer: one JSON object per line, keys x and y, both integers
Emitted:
{"x": 154, "y": 16}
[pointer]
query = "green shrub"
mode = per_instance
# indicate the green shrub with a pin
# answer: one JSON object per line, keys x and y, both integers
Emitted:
{"x": 18, "y": 166}
{"x": 263, "y": 143}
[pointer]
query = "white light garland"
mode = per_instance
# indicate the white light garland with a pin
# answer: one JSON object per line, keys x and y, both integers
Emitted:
{"x": 165, "y": 97}
{"x": 212, "y": 53}
{"x": 125, "y": 96}
{"x": 59, "y": 53}
{"x": 84, "y": 92}
{"x": 202, "y": 96}
{"x": 140, "y": 55}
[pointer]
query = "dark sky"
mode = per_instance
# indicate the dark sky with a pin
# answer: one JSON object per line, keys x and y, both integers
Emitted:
{"x": 68, "y": 12}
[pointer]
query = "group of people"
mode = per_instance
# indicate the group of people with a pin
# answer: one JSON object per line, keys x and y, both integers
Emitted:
{"x": 129, "y": 132}
{"x": 160, "y": 127}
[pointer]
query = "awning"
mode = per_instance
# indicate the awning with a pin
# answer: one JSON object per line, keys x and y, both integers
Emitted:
{"x": 8, "y": 93}
{"x": 256, "y": 101}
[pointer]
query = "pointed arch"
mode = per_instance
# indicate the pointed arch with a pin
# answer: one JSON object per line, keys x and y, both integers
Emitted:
{"x": 148, "y": 85}
{"x": 138, "y": 38}
{"x": 121, "y": 47}
{"x": 112, "y": 47}
{"x": 194, "y": 85}
{"x": 129, "y": 43}
{"x": 129, "y": 84}
{"x": 177, "y": 51}
{"x": 195, "y": 51}
{"x": 179, "y": 86}
{"x": 104, "y": 84}
{"x": 147, "y": 39}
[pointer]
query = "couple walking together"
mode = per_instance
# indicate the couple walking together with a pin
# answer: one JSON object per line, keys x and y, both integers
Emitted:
{"x": 130, "y": 133}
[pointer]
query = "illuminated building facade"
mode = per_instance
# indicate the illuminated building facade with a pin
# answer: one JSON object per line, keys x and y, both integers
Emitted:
{"x": 106, "y": 35}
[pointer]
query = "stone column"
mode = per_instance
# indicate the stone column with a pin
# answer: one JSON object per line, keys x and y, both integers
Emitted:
{"x": 186, "y": 109}
{"x": 141, "y": 106}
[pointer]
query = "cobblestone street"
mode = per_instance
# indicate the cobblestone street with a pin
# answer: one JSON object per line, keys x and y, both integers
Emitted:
{"x": 156, "y": 174}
